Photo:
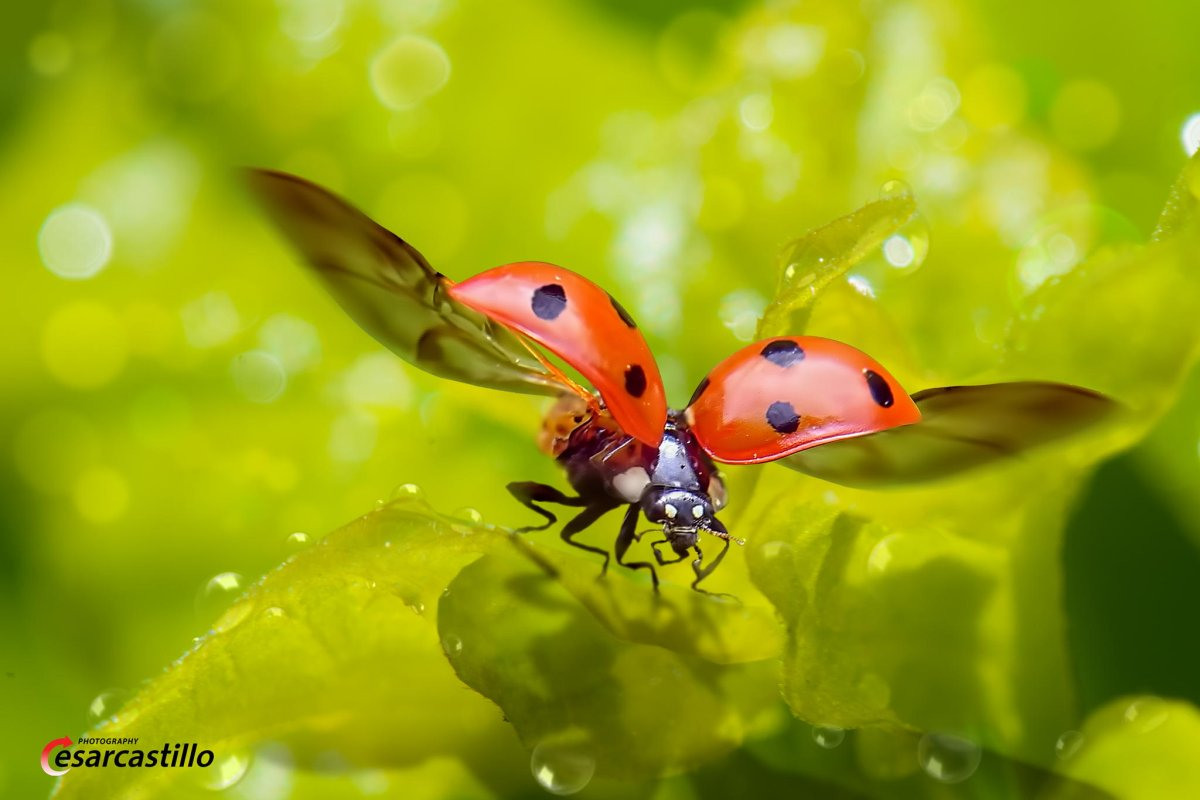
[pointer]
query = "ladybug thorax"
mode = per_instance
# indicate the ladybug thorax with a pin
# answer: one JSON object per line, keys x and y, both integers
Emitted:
{"x": 680, "y": 462}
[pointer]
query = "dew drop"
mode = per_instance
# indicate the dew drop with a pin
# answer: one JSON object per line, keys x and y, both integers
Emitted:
{"x": 1068, "y": 745}
{"x": 862, "y": 285}
{"x": 896, "y": 188}
{"x": 451, "y": 644}
{"x": 469, "y": 514}
{"x": 273, "y": 613}
{"x": 1189, "y": 134}
{"x": 407, "y": 491}
{"x": 828, "y": 736}
{"x": 106, "y": 704}
{"x": 226, "y": 771}
{"x": 216, "y": 594}
{"x": 947, "y": 758}
{"x": 1145, "y": 715}
{"x": 562, "y": 769}
{"x": 297, "y": 541}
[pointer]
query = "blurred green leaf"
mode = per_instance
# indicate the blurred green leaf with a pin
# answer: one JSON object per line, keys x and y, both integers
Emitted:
{"x": 1137, "y": 747}
{"x": 816, "y": 259}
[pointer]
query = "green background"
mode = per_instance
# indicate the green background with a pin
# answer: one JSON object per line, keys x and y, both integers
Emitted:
{"x": 182, "y": 411}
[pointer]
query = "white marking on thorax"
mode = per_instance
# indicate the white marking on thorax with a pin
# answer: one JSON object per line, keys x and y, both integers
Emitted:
{"x": 631, "y": 483}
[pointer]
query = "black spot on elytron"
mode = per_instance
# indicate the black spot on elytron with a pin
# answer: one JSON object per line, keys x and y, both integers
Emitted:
{"x": 549, "y": 301}
{"x": 699, "y": 391}
{"x": 783, "y": 353}
{"x": 621, "y": 312}
{"x": 635, "y": 380}
{"x": 783, "y": 417}
{"x": 881, "y": 393}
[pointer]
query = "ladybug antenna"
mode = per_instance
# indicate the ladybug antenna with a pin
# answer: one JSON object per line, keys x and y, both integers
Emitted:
{"x": 717, "y": 529}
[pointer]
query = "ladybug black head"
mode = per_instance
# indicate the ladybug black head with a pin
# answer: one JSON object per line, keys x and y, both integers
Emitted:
{"x": 678, "y": 509}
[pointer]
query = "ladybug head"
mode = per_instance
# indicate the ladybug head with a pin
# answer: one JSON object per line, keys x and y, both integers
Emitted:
{"x": 683, "y": 513}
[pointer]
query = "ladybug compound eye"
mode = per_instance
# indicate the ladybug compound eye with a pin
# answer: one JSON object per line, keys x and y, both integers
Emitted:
{"x": 677, "y": 508}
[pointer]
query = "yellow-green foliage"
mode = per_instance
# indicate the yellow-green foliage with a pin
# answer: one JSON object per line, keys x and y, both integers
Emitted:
{"x": 180, "y": 397}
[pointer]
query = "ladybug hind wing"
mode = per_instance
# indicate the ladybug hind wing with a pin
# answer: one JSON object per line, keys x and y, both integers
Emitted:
{"x": 962, "y": 428}
{"x": 393, "y": 293}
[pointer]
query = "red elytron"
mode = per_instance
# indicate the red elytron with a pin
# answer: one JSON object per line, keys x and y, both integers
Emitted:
{"x": 816, "y": 405}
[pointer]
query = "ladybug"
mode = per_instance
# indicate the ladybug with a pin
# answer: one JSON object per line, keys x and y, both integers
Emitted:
{"x": 813, "y": 404}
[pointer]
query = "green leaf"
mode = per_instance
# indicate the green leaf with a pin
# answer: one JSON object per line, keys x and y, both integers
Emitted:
{"x": 337, "y": 650}
{"x": 569, "y": 685}
{"x": 722, "y": 629}
{"x": 938, "y": 608}
{"x": 822, "y": 255}
{"x": 1137, "y": 747}
{"x": 330, "y": 651}
{"x": 1183, "y": 203}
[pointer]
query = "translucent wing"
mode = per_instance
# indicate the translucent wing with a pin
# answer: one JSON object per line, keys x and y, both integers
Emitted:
{"x": 390, "y": 290}
{"x": 961, "y": 427}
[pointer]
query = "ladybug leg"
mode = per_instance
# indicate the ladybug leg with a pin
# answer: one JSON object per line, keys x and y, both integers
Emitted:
{"x": 659, "y": 556}
{"x": 582, "y": 520}
{"x": 701, "y": 574}
{"x": 626, "y": 537}
{"x": 527, "y": 492}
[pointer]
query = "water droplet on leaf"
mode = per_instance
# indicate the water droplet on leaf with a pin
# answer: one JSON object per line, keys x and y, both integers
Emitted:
{"x": 407, "y": 491}
{"x": 469, "y": 514}
{"x": 1068, "y": 744}
{"x": 896, "y": 188}
{"x": 947, "y": 758}
{"x": 828, "y": 736}
{"x": 562, "y": 769}
{"x": 452, "y": 645}
{"x": 216, "y": 594}
{"x": 106, "y": 704}
{"x": 226, "y": 770}
{"x": 297, "y": 541}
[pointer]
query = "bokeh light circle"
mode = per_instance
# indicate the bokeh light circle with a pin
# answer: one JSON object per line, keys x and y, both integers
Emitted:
{"x": 409, "y": 70}
{"x": 84, "y": 345}
{"x": 75, "y": 241}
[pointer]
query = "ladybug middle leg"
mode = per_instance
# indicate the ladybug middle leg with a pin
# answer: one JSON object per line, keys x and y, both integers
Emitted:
{"x": 528, "y": 493}
{"x": 627, "y": 537}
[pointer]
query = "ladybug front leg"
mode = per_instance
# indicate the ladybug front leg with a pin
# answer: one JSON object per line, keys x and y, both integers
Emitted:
{"x": 701, "y": 574}
{"x": 659, "y": 556}
{"x": 527, "y": 492}
{"x": 627, "y": 537}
